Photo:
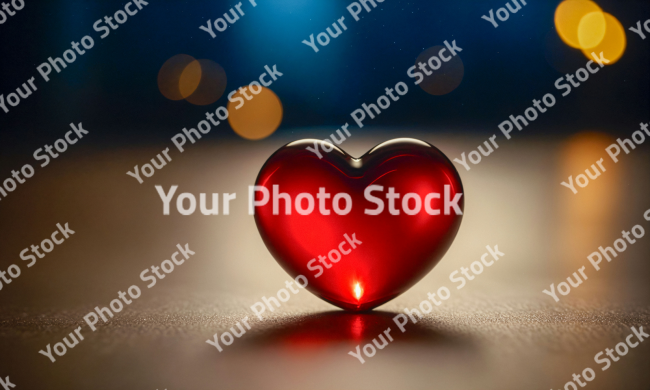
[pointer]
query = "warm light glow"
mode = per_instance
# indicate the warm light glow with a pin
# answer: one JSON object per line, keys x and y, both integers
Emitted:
{"x": 206, "y": 82}
{"x": 583, "y": 219}
{"x": 189, "y": 79}
{"x": 258, "y": 117}
{"x": 614, "y": 42}
{"x": 169, "y": 77}
{"x": 200, "y": 82}
{"x": 583, "y": 25}
{"x": 591, "y": 30}
{"x": 358, "y": 291}
{"x": 568, "y": 16}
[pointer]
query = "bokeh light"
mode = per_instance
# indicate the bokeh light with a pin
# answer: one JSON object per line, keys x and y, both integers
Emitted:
{"x": 613, "y": 44}
{"x": 591, "y": 30}
{"x": 568, "y": 16}
{"x": 169, "y": 77}
{"x": 585, "y": 218}
{"x": 212, "y": 82}
{"x": 259, "y": 117}
{"x": 190, "y": 79}
{"x": 445, "y": 76}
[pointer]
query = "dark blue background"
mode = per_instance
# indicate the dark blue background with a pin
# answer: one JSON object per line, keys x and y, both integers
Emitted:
{"x": 113, "y": 89}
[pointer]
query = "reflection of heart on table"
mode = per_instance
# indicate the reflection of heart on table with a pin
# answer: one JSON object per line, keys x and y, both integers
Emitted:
{"x": 362, "y": 231}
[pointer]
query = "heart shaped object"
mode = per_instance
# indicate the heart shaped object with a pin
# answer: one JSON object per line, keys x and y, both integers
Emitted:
{"x": 355, "y": 260}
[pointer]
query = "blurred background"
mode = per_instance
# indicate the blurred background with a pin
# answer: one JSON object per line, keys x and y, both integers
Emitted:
{"x": 498, "y": 332}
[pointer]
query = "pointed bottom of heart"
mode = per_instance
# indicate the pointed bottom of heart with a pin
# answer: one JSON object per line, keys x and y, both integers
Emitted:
{"x": 358, "y": 307}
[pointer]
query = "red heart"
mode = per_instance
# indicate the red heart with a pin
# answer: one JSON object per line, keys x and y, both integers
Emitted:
{"x": 396, "y": 251}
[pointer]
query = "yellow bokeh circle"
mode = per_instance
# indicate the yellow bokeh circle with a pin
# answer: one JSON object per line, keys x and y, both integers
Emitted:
{"x": 613, "y": 44}
{"x": 591, "y": 30}
{"x": 259, "y": 117}
{"x": 568, "y": 16}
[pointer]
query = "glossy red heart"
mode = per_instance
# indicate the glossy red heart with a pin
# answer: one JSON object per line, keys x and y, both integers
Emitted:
{"x": 396, "y": 251}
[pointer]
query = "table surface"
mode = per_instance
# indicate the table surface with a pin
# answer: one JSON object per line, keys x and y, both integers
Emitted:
{"x": 498, "y": 332}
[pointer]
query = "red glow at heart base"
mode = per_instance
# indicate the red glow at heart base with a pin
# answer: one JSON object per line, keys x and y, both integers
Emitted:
{"x": 355, "y": 260}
